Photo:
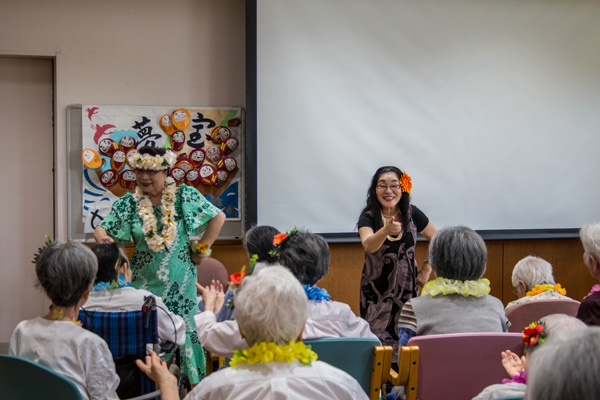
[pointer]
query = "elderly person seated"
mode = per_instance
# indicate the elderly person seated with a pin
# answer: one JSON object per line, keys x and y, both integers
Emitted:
{"x": 532, "y": 280}
{"x": 589, "y": 309}
{"x": 66, "y": 272}
{"x": 517, "y": 367}
{"x": 271, "y": 312}
{"x": 258, "y": 242}
{"x": 306, "y": 255}
{"x": 112, "y": 292}
{"x": 457, "y": 300}
{"x": 566, "y": 367}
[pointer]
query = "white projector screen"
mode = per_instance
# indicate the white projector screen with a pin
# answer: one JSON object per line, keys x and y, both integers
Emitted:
{"x": 492, "y": 106}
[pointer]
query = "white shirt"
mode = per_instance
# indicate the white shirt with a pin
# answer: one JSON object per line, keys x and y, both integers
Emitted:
{"x": 547, "y": 295}
{"x": 279, "y": 380}
{"x": 131, "y": 299}
{"x": 67, "y": 348}
{"x": 325, "y": 319}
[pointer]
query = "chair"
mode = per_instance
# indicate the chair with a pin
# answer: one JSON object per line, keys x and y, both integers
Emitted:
{"x": 128, "y": 334}
{"x": 453, "y": 366}
{"x": 521, "y": 315}
{"x": 363, "y": 358}
{"x": 26, "y": 380}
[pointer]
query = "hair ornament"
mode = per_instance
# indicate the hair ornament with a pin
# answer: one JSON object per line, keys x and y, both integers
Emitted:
{"x": 279, "y": 241}
{"x": 49, "y": 242}
{"x": 406, "y": 183}
{"x": 153, "y": 163}
{"x": 534, "y": 335}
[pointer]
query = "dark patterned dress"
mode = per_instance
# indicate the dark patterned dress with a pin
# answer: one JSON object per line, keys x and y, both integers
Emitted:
{"x": 169, "y": 274}
{"x": 389, "y": 279}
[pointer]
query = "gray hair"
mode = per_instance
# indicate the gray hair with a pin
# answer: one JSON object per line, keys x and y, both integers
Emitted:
{"x": 590, "y": 238}
{"x": 270, "y": 306}
{"x": 65, "y": 271}
{"x": 532, "y": 271}
{"x": 561, "y": 322}
{"x": 307, "y": 255}
{"x": 566, "y": 367}
{"x": 458, "y": 252}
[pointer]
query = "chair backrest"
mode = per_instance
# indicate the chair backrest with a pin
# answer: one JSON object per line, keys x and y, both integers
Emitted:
{"x": 352, "y": 355}
{"x": 211, "y": 268}
{"x": 459, "y": 366}
{"x": 127, "y": 334}
{"x": 521, "y": 315}
{"x": 24, "y": 379}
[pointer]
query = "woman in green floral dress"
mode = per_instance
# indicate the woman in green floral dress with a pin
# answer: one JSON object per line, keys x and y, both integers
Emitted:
{"x": 160, "y": 218}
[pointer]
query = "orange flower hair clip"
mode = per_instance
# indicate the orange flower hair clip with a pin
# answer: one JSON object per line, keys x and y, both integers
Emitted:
{"x": 406, "y": 183}
{"x": 279, "y": 241}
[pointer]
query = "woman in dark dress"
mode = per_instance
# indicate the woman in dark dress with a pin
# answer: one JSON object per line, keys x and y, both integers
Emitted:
{"x": 388, "y": 228}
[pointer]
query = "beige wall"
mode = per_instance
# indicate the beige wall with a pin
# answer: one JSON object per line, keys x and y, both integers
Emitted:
{"x": 134, "y": 52}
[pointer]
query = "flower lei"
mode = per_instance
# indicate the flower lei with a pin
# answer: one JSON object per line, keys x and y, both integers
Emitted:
{"x": 100, "y": 286}
{"x": 315, "y": 293}
{"x": 538, "y": 289}
{"x": 443, "y": 286}
{"x": 58, "y": 315}
{"x": 266, "y": 352}
{"x": 279, "y": 241}
{"x": 406, "y": 183}
{"x": 595, "y": 289}
{"x": 155, "y": 241}
{"x": 236, "y": 279}
{"x": 534, "y": 335}
{"x": 153, "y": 163}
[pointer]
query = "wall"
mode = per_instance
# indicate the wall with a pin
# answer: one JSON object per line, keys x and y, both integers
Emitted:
{"x": 134, "y": 52}
{"x": 139, "y": 52}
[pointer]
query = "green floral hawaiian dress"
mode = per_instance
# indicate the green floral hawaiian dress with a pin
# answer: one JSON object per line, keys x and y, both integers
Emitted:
{"x": 169, "y": 274}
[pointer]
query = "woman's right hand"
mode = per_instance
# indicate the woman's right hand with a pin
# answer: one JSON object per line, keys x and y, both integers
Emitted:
{"x": 393, "y": 227}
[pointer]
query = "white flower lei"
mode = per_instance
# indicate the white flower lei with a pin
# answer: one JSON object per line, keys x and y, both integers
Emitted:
{"x": 155, "y": 241}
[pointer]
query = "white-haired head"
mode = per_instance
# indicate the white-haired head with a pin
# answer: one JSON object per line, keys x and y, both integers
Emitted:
{"x": 270, "y": 306}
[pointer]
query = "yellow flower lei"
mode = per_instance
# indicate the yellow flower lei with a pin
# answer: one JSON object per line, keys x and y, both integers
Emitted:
{"x": 266, "y": 352}
{"x": 155, "y": 241}
{"x": 538, "y": 289}
{"x": 443, "y": 286}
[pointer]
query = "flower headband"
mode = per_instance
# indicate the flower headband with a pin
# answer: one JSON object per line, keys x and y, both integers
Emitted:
{"x": 534, "y": 335}
{"x": 406, "y": 183}
{"x": 153, "y": 163}
{"x": 279, "y": 241}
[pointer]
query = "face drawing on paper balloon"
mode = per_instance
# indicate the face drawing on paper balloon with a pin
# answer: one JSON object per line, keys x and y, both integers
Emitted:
{"x": 166, "y": 120}
{"x": 128, "y": 175}
{"x": 179, "y": 116}
{"x": 105, "y": 145}
{"x": 178, "y": 137}
{"x": 192, "y": 175}
{"x": 213, "y": 154}
{"x": 206, "y": 171}
{"x": 230, "y": 164}
{"x": 127, "y": 142}
{"x": 197, "y": 156}
{"x": 178, "y": 174}
{"x": 107, "y": 176}
{"x": 119, "y": 156}
{"x": 224, "y": 133}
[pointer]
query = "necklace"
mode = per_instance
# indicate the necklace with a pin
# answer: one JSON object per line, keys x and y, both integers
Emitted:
{"x": 538, "y": 289}
{"x": 265, "y": 352}
{"x": 391, "y": 238}
{"x": 58, "y": 315}
{"x": 158, "y": 242}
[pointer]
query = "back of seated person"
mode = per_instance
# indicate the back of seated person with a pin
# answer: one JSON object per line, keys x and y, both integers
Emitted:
{"x": 271, "y": 313}
{"x": 458, "y": 300}
{"x": 306, "y": 255}
{"x": 589, "y": 309}
{"x": 532, "y": 280}
{"x": 112, "y": 292}
{"x": 566, "y": 367}
{"x": 66, "y": 272}
{"x": 210, "y": 269}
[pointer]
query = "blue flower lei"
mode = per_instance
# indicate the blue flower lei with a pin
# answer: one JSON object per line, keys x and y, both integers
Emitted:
{"x": 100, "y": 286}
{"x": 315, "y": 293}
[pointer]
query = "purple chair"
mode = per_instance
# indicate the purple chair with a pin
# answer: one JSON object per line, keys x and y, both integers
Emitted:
{"x": 454, "y": 366}
{"x": 522, "y": 315}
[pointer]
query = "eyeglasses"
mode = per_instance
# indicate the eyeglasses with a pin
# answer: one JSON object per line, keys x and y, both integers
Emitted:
{"x": 149, "y": 172}
{"x": 394, "y": 187}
